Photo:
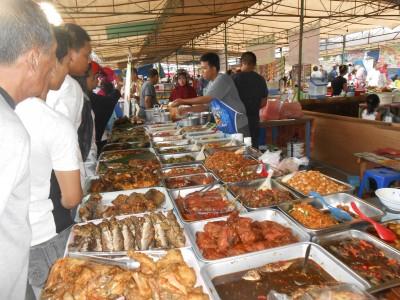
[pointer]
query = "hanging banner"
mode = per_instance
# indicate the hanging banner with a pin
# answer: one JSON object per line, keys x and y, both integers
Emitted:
{"x": 310, "y": 45}
{"x": 127, "y": 90}
{"x": 263, "y": 48}
{"x": 390, "y": 55}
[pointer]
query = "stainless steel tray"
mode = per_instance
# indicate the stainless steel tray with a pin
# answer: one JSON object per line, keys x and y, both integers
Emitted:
{"x": 176, "y": 143}
{"x": 209, "y": 175}
{"x": 356, "y": 234}
{"x": 349, "y": 188}
{"x": 152, "y": 129}
{"x": 98, "y": 221}
{"x": 368, "y": 228}
{"x": 174, "y": 193}
{"x": 182, "y": 149}
{"x": 222, "y": 141}
{"x": 199, "y": 134}
{"x": 206, "y": 137}
{"x": 259, "y": 215}
{"x": 107, "y": 198}
{"x": 255, "y": 260}
{"x": 167, "y": 138}
{"x": 166, "y": 170}
{"x": 172, "y": 132}
{"x": 126, "y": 151}
{"x": 109, "y": 147}
{"x": 168, "y": 156}
{"x": 248, "y": 151}
{"x": 336, "y": 199}
{"x": 255, "y": 184}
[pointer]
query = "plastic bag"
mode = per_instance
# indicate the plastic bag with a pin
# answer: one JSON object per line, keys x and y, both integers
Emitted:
{"x": 292, "y": 164}
{"x": 291, "y": 110}
{"x": 271, "y": 157}
{"x": 270, "y": 111}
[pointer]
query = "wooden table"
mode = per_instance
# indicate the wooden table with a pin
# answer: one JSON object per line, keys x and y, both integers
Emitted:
{"x": 368, "y": 160}
{"x": 275, "y": 124}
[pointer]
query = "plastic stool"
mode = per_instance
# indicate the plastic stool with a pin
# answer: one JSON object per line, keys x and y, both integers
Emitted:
{"x": 382, "y": 176}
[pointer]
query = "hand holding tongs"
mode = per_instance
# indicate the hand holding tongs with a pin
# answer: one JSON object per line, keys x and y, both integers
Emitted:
{"x": 126, "y": 263}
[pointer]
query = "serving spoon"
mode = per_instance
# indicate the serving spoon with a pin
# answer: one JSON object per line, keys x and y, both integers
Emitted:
{"x": 304, "y": 267}
{"x": 338, "y": 213}
{"x": 383, "y": 232}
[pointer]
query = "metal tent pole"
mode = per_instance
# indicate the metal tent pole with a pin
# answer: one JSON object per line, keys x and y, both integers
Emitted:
{"x": 300, "y": 49}
{"x": 176, "y": 59}
{"x": 194, "y": 71}
{"x": 343, "y": 49}
{"x": 226, "y": 47}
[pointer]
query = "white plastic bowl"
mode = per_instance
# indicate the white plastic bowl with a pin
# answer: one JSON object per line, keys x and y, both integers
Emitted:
{"x": 389, "y": 197}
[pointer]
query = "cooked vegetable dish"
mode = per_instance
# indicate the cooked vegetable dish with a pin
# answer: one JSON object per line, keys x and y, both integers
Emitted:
{"x": 282, "y": 277}
{"x": 178, "y": 171}
{"x": 177, "y": 160}
{"x": 254, "y": 198}
{"x": 312, "y": 217}
{"x": 367, "y": 260}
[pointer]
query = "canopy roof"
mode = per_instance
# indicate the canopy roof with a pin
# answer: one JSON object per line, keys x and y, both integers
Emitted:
{"x": 155, "y": 30}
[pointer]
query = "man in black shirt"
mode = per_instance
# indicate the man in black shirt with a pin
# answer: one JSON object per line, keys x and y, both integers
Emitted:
{"x": 339, "y": 84}
{"x": 253, "y": 92}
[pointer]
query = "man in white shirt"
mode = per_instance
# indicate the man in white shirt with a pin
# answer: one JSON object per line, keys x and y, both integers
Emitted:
{"x": 27, "y": 56}
{"x": 54, "y": 145}
{"x": 69, "y": 99}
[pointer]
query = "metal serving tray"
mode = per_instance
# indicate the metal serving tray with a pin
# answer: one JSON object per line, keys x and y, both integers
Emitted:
{"x": 166, "y": 170}
{"x": 171, "y": 126}
{"x": 208, "y": 175}
{"x": 176, "y": 143}
{"x": 222, "y": 141}
{"x": 168, "y": 138}
{"x": 259, "y": 215}
{"x": 349, "y": 189}
{"x": 127, "y": 152}
{"x": 210, "y": 136}
{"x": 168, "y": 156}
{"x": 128, "y": 146}
{"x": 175, "y": 193}
{"x": 184, "y": 149}
{"x": 335, "y": 199}
{"x": 356, "y": 234}
{"x": 255, "y": 184}
{"x": 169, "y": 132}
{"x": 102, "y": 166}
{"x": 255, "y": 260}
{"x": 199, "y": 134}
{"x": 249, "y": 151}
{"x": 107, "y": 198}
{"x": 368, "y": 228}
{"x": 104, "y": 253}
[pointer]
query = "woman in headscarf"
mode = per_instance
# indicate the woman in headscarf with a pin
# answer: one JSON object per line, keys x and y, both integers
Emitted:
{"x": 182, "y": 90}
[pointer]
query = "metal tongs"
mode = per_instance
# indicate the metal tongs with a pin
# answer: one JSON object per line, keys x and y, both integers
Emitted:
{"x": 125, "y": 263}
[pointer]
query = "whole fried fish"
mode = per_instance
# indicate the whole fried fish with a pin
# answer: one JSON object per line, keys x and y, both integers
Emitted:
{"x": 174, "y": 232}
{"x": 129, "y": 240}
{"x": 161, "y": 240}
{"x": 95, "y": 244}
{"x": 117, "y": 238}
{"x": 106, "y": 236}
{"x": 147, "y": 234}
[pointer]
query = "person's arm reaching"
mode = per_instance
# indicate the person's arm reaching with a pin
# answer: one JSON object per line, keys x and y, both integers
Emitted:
{"x": 70, "y": 186}
{"x": 192, "y": 101}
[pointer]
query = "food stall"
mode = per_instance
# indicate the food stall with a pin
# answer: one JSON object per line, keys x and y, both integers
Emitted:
{"x": 190, "y": 213}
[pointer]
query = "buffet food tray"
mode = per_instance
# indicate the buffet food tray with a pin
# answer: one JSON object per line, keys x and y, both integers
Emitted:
{"x": 172, "y": 126}
{"x": 88, "y": 183}
{"x": 125, "y": 151}
{"x": 108, "y": 197}
{"x": 175, "y": 193}
{"x": 222, "y": 141}
{"x": 206, "y": 137}
{"x": 209, "y": 175}
{"x": 167, "y": 132}
{"x": 256, "y": 184}
{"x": 260, "y": 215}
{"x": 241, "y": 149}
{"x": 356, "y": 234}
{"x": 327, "y": 261}
{"x": 189, "y": 258}
{"x": 334, "y": 200}
{"x": 170, "y": 138}
{"x": 349, "y": 188}
{"x": 368, "y": 228}
{"x": 134, "y": 145}
{"x": 199, "y": 134}
{"x": 182, "y": 149}
{"x": 176, "y": 143}
{"x": 179, "y": 155}
{"x": 166, "y": 170}
{"x": 119, "y": 253}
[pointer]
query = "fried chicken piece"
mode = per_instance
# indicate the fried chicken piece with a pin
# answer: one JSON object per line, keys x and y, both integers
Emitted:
{"x": 147, "y": 265}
